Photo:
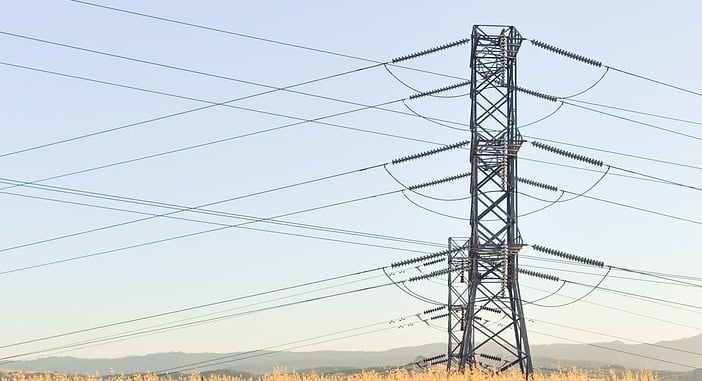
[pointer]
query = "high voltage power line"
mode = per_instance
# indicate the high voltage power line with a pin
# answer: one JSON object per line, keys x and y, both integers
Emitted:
{"x": 329, "y": 52}
{"x": 143, "y": 331}
{"x": 222, "y": 226}
{"x": 247, "y": 109}
{"x": 318, "y": 120}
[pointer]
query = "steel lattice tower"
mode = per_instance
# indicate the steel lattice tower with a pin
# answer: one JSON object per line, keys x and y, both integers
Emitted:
{"x": 486, "y": 322}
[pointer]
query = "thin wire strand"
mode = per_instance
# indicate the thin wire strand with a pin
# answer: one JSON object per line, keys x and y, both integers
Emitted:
{"x": 188, "y": 235}
{"x": 257, "y": 38}
{"x": 594, "y": 288}
{"x": 589, "y": 88}
{"x": 387, "y": 170}
{"x": 420, "y": 91}
{"x": 186, "y": 309}
{"x": 431, "y": 210}
{"x": 633, "y": 121}
{"x": 656, "y": 81}
{"x": 674, "y": 119}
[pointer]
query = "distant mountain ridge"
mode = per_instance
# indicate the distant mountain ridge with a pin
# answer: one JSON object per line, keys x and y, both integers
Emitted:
{"x": 258, "y": 362}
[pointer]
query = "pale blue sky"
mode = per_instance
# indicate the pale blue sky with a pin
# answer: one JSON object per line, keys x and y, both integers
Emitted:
{"x": 651, "y": 38}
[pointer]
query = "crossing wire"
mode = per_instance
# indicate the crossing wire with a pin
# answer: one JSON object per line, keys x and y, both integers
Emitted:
{"x": 614, "y": 349}
{"x": 258, "y": 38}
{"x": 142, "y": 332}
{"x": 174, "y": 325}
{"x": 266, "y": 219}
{"x": 193, "y": 234}
{"x": 292, "y": 117}
{"x": 597, "y": 63}
{"x": 301, "y": 120}
{"x": 655, "y": 345}
{"x": 175, "y": 208}
{"x": 192, "y": 308}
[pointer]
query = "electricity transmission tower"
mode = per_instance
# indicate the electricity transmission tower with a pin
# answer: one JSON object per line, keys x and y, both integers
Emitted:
{"x": 486, "y": 322}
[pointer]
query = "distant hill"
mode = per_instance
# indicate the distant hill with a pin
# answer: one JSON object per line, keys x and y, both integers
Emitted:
{"x": 617, "y": 355}
{"x": 547, "y": 356}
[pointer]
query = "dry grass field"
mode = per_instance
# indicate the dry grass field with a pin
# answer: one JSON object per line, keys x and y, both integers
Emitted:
{"x": 432, "y": 375}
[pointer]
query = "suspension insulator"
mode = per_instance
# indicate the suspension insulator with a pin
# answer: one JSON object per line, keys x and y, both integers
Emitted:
{"x": 439, "y": 181}
{"x": 435, "y": 261}
{"x": 568, "y": 154}
{"x": 439, "y": 90}
{"x": 439, "y": 317}
{"x": 490, "y": 357}
{"x": 539, "y": 275}
{"x": 538, "y": 184}
{"x": 537, "y": 94}
{"x": 437, "y": 362}
{"x": 425, "y": 257}
{"x": 432, "y": 50}
{"x": 566, "y": 53}
{"x": 434, "y": 358}
{"x": 432, "y": 310}
{"x": 431, "y": 152}
{"x": 492, "y": 309}
{"x": 430, "y": 275}
{"x": 568, "y": 256}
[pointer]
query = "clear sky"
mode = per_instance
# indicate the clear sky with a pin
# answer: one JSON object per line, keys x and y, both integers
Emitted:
{"x": 647, "y": 38}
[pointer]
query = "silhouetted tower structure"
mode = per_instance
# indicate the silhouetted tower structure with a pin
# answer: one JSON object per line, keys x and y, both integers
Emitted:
{"x": 486, "y": 321}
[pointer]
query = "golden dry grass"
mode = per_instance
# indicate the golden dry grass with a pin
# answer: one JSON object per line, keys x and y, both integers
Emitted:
{"x": 399, "y": 375}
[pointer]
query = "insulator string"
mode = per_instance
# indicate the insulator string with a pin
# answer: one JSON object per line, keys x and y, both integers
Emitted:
{"x": 431, "y": 50}
{"x": 425, "y": 257}
{"x": 536, "y": 94}
{"x": 439, "y": 90}
{"x": 566, "y": 53}
{"x": 537, "y": 274}
{"x": 568, "y": 154}
{"x": 568, "y": 256}
{"x": 431, "y": 152}
{"x": 439, "y": 181}
{"x": 537, "y": 184}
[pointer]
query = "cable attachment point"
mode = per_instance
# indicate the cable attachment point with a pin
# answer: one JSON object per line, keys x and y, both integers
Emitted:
{"x": 537, "y": 94}
{"x": 570, "y": 257}
{"x": 431, "y": 152}
{"x": 432, "y": 50}
{"x": 439, "y": 90}
{"x": 566, "y": 53}
{"x": 538, "y": 184}
{"x": 567, "y": 154}
{"x": 439, "y": 181}
{"x": 539, "y": 275}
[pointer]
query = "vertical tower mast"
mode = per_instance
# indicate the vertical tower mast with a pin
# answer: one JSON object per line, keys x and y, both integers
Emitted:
{"x": 486, "y": 296}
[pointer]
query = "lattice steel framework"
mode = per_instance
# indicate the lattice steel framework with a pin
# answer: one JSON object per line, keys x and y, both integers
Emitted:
{"x": 486, "y": 324}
